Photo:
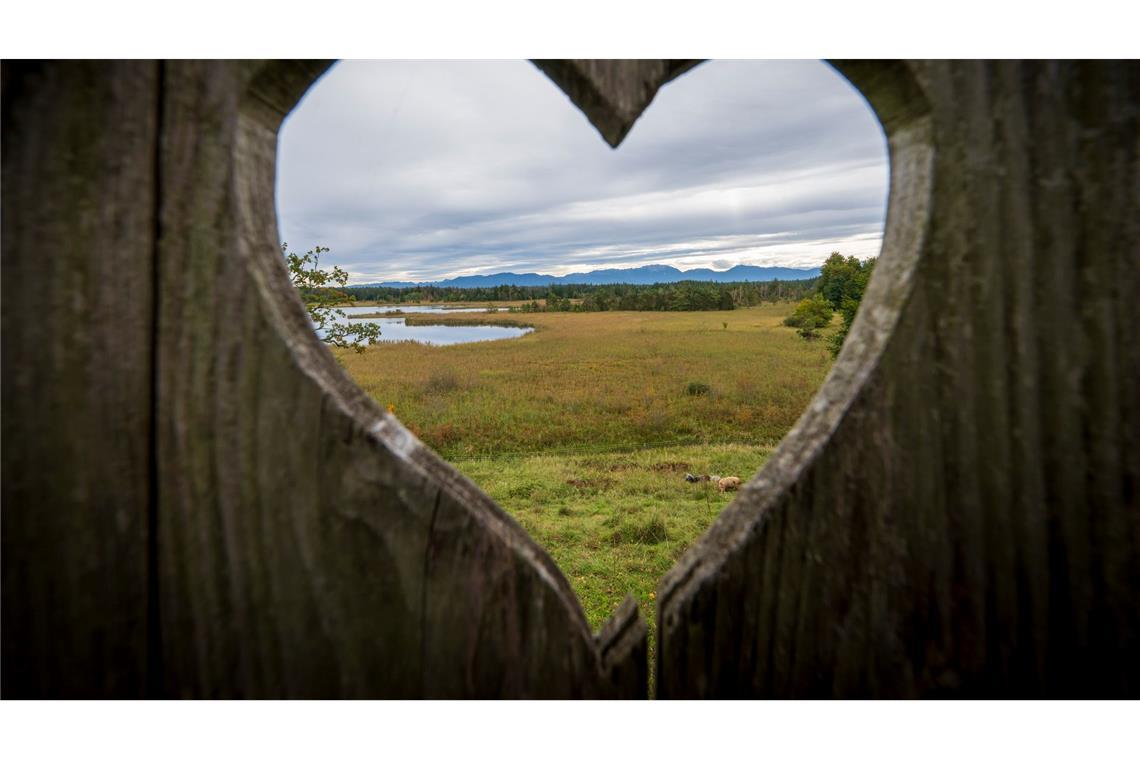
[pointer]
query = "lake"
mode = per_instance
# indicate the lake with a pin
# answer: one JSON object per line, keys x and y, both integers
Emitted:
{"x": 412, "y": 309}
{"x": 396, "y": 329}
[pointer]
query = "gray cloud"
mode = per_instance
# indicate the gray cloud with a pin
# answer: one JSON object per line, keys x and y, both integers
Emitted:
{"x": 429, "y": 169}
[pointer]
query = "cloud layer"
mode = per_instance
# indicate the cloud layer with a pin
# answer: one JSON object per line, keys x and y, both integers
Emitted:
{"x": 422, "y": 170}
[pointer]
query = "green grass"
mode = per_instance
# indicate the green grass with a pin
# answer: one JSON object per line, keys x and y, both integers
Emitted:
{"x": 615, "y": 523}
{"x": 584, "y": 429}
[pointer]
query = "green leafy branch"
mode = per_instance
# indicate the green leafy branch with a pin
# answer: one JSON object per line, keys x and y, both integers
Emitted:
{"x": 322, "y": 291}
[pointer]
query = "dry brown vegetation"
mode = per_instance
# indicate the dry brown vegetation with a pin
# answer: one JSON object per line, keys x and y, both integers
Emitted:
{"x": 605, "y": 380}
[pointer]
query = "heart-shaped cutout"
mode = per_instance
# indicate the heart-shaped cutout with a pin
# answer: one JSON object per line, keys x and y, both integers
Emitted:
{"x": 440, "y": 387}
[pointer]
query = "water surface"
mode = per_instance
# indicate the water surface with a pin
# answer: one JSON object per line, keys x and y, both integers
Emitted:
{"x": 396, "y": 328}
{"x": 433, "y": 309}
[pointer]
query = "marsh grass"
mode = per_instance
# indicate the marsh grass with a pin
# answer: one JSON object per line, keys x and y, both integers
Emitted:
{"x": 601, "y": 380}
{"x": 441, "y": 380}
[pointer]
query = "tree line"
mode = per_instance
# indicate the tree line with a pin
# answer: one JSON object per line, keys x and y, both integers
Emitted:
{"x": 839, "y": 288}
{"x": 675, "y": 296}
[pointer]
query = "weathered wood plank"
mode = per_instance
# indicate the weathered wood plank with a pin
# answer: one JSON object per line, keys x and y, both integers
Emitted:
{"x": 613, "y": 93}
{"x": 198, "y": 502}
{"x": 79, "y": 145}
{"x": 310, "y": 546}
{"x": 956, "y": 513}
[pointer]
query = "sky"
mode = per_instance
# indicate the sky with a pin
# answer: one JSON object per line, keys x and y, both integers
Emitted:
{"x": 426, "y": 170}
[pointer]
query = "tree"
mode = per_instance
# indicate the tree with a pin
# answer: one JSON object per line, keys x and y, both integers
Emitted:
{"x": 842, "y": 282}
{"x": 321, "y": 294}
{"x": 842, "y": 278}
{"x": 835, "y": 342}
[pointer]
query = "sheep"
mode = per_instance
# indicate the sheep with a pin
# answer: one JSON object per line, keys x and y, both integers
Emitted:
{"x": 728, "y": 484}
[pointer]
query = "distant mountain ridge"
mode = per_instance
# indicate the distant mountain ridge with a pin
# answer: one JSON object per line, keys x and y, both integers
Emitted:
{"x": 646, "y": 275}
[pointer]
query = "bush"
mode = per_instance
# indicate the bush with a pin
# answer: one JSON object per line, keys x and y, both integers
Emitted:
{"x": 697, "y": 389}
{"x": 441, "y": 381}
{"x": 810, "y": 314}
{"x": 652, "y": 531}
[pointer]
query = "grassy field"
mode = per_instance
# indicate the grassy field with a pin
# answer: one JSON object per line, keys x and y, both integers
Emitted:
{"x": 601, "y": 379}
{"x": 616, "y": 522}
{"x": 583, "y": 430}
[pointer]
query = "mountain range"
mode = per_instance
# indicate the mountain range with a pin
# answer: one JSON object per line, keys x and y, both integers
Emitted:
{"x": 646, "y": 275}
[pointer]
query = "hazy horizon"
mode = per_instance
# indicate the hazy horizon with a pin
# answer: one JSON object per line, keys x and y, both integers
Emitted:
{"x": 598, "y": 269}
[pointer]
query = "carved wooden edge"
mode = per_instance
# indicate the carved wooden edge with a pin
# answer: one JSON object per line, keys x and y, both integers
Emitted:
{"x": 288, "y": 314}
{"x": 624, "y": 648}
{"x": 897, "y": 101}
{"x": 613, "y": 93}
{"x": 275, "y": 87}
{"x": 970, "y": 525}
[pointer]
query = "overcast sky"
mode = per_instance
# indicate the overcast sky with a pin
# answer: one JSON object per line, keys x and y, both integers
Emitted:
{"x": 423, "y": 170}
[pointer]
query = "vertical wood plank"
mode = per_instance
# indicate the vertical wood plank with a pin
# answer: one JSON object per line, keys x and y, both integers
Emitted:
{"x": 79, "y": 146}
{"x": 984, "y": 468}
{"x": 309, "y": 545}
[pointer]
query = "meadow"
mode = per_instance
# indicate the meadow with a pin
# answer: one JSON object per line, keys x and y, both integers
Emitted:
{"x": 599, "y": 381}
{"x": 584, "y": 429}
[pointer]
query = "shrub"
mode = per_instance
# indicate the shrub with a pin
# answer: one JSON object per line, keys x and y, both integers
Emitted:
{"x": 810, "y": 314}
{"x": 697, "y": 389}
{"x": 441, "y": 381}
{"x": 651, "y": 531}
{"x": 441, "y": 435}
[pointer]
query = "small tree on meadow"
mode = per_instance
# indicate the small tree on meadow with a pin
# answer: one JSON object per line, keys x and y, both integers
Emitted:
{"x": 811, "y": 315}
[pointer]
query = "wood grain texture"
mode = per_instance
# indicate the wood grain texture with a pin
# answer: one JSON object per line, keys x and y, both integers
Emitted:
{"x": 956, "y": 514}
{"x": 310, "y": 546}
{"x": 79, "y": 146}
{"x": 613, "y": 93}
{"x": 198, "y": 502}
